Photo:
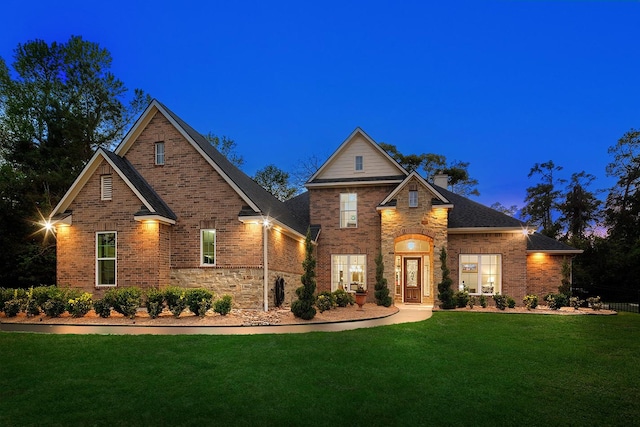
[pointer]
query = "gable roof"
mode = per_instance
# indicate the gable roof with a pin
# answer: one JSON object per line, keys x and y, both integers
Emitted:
{"x": 440, "y": 198}
{"x": 260, "y": 203}
{"x": 152, "y": 204}
{"x": 395, "y": 173}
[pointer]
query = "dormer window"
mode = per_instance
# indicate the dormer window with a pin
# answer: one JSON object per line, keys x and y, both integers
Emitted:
{"x": 359, "y": 165}
{"x": 106, "y": 187}
{"x": 159, "y": 153}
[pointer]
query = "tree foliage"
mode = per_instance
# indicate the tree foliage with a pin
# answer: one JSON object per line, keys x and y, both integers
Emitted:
{"x": 58, "y": 103}
{"x": 543, "y": 199}
{"x": 457, "y": 172}
{"x": 580, "y": 210}
{"x": 275, "y": 181}
{"x": 227, "y": 147}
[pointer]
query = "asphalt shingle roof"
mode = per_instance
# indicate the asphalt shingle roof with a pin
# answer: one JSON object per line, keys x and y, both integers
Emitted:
{"x": 265, "y": 201}
{"x": 143, "y": 187}
{"x": 540, "y": 242}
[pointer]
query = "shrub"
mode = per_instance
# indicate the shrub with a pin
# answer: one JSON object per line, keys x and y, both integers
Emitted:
{"x": 303, "y": 307}
{"x": 501, "y": 301}
{"x": 42, "y": 294}
{"x": 472, "y": 301}
{"x": 555, "y": 301}
{"x": 382, "y": 290}
{"x": 325, "y": 301}
{"x": 125, "y": 301}
{"x": 154, "y": 301}
{"x": 575, "y": 302}
{"x": 223, "y": 305}
{"x": 445, "y": 293}
{"x": 31, "y": 306}
{"x": 176, "y": 299}
{"x": 80, "y": 306}
{"x": 199, "y": 301}
{"x": 343, "y": 298}
{"x": 530, "y": 301}
{"x": 595, "y": 303}
{"x": 461, "y": 298}
{"x": 12, "y": 307}
{"x": 52, "y": 300}
{"x": 511, "y": 303}
{"x": 102, "y": 307}
{"x": 483, "y": 301}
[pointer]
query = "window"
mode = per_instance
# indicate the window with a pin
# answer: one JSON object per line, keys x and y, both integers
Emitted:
{"x": 348, "y": 210}
{"x": 481, "y": 274}
{"x": 106, "y": 258}
{"x": 413, "y": 198}
{"x": 106, "y": 187}
{"x": 359, "y": 167}
{"x": 159, "y": 153}
{"x": 348, "y": 272}
{"x": 207, "y": 247}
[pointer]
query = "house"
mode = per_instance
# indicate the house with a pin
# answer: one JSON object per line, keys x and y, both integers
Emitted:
{"x": 166, "y": 208}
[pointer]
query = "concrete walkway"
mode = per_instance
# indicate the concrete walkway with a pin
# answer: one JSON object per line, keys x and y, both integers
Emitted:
{"x": 406, "y": 314}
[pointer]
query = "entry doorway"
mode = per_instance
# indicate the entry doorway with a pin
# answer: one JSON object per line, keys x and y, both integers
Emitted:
{"x": 412, "y": 279}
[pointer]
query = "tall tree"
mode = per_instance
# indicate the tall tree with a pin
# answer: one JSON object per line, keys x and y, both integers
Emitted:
{"x": 305, "y": 170}
{"x": 623, "y": 202}
{"x": 511, "y": 210}
{"x": 542, "y": 200}
{"x": 227, "y": 147}
{"x": 275, "y": 181}
{"x": 458, "y": 181}
{"x": 580, "y": 210}
{"x": 57, "y": 105}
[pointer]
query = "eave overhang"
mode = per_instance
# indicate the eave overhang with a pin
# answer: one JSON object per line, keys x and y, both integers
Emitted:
{"x": 267, "y": 221}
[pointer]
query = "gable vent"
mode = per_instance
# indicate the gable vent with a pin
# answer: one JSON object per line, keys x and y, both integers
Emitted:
{"x": 106, "y": 187}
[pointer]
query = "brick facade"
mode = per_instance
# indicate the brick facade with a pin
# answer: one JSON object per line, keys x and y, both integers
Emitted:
{"x": 544, "y": 273}
{"x": 361, "y": 240}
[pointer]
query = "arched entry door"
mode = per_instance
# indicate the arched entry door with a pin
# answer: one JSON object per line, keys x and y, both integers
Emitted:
{"x": 413, "y": 268}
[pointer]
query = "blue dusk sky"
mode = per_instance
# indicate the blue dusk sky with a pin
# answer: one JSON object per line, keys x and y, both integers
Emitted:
{"x": 500, "y": 84}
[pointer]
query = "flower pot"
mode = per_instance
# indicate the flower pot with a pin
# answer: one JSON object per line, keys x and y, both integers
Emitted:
{"x": 361, "y": 298}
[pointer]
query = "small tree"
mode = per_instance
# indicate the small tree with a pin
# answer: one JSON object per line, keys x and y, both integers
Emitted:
{"x": 382, "y": 291}
{"x": 445, "y": 292}
{"x": 303, "y": 307}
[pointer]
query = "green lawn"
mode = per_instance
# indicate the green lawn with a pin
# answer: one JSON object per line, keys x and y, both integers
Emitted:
{"x": 453, "y": 369}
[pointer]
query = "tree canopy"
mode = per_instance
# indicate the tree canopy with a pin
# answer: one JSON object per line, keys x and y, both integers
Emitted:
{"x": 275, "y": 181}
{"x": 58, "y": 103}
{"x": 458, "y": 178}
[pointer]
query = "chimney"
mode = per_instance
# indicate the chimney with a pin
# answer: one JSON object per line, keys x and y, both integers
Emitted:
{"x": 441, "y": 180}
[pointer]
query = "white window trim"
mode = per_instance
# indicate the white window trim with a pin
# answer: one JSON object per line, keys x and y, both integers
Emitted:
{"x": 334, "y": 285}
{"x": 355, "y": 164}
{"x": 413, "y": 203}
{"x": 497, "y": 286}
{"x": 100, "y": 285}
{"x": 106, "y": 187}
{"x": 156, "y": 145}
{"x": 342, "y": 211}
{"x": 215, "y": 247}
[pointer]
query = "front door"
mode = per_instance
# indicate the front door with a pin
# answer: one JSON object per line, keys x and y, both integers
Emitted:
{"x": 412, "y": 280}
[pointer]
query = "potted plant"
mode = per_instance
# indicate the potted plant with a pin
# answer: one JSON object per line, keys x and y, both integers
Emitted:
{"x": 361, "y": 296}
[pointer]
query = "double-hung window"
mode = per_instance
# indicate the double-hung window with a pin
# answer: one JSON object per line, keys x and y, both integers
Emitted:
{"x": 481, "y": 274}
{"x": 359, "y": 165}
{"x": 348, "y": 210}
{"x": 413, "y": 198}
{"x": 159, "y": 153}
{"x": 106, "y": 258}
{"x": 348, "y": 272}
{"x": 207, "y": 247}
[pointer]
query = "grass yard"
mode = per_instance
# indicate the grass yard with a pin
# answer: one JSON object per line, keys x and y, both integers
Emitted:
{"x": 453, "y": 369}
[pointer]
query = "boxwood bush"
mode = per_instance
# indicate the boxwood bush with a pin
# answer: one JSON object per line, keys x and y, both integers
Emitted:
{"x": 223, "y": 305}
{"x": 176, "y": 299}
{"x": 154, "y": 301}
{"x": 199, "y": 301}
{"x": 125, "y": 301}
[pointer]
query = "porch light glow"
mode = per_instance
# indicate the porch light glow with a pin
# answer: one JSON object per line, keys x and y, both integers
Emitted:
{"x": 266, "y": 223}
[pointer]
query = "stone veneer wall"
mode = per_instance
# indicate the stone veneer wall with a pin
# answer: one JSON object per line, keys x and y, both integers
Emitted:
{"x": 512, "y": 247}
{"x": 423, "y": 219}
{"x": 245, "y": 284}
{"x": 544, "y": 273}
